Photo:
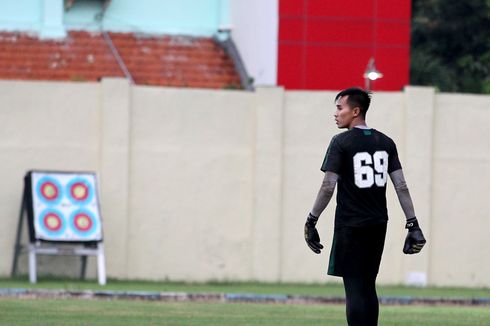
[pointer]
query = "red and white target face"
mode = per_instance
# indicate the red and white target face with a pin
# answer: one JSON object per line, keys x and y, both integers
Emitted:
{"x": 79, "y": 191}
{"x": 49, "y": 190}
{"x": 83, "y": 222}
{"x": 52, "y": 222}
{"x": 65, "y": 206}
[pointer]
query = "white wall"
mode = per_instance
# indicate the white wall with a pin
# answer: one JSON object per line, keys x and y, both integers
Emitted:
{"x": 460, "y": 190}
{"x": 255, "y": 32}
{"x": 191, "y": 184}
{"x": 200, "y": 185}
{"x": 53, "y": 126}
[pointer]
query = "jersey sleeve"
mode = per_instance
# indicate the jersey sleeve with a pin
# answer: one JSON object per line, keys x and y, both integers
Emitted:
{"x": 393, "y": 162}
{"x": 333, "y": 158}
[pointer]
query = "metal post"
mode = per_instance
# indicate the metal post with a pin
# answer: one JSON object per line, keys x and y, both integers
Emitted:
{"x": 18, "y": 247}
{"x": 367, "y": 84}
{"x": 83, "y": 267}
{"x": 32, "y": 263}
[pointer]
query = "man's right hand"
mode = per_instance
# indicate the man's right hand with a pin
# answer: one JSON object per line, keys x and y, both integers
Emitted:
{"x": 311, "y": 234}
{"x": 415, "y": 241}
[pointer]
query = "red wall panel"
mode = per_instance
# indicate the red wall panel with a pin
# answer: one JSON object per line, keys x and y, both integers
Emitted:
{"x": 339, "y": 8}
{"x": 292, "y": 58}
{"x": 392, "y": 9}
{"x": 333, "y": 66}
{"x": 325, "y": 44}
{"x": 394, "y": 63}
{"x": 291, "y": 29}
{"x": 291, "y": 7}
{"x": 339, "y": 31}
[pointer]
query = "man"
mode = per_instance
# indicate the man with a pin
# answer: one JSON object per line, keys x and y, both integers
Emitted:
{"x": 359, "y": 160}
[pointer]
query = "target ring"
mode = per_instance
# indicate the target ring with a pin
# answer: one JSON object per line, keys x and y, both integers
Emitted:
{"x": 52, "y": 222}
{"x": 83, "y": 222}
{"x": 49, "y": 191}
{"x": 80, "y": 191}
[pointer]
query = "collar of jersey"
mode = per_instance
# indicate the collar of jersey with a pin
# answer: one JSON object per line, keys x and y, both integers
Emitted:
{"x": 363, "y": 127}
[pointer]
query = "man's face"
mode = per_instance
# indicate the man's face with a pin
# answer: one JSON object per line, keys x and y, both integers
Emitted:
{"x": 344, "y": 115}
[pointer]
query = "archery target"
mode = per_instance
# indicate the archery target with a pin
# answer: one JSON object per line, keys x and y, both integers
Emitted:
{"x": 65, "y": 206}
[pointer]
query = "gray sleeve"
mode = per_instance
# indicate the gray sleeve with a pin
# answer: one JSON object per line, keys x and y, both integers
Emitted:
{"x": 402, "y": 192}
{"x": 325, "y": 193}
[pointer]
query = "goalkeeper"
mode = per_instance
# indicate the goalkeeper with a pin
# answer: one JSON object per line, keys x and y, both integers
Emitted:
{"x": 359, "y": 161}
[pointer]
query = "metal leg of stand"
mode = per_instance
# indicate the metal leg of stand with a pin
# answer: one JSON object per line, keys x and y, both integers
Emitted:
{"x": 32, "y": 264}
{"x": 83, "y": 268}
{"x": 18, "y": 246}
{"x": 101, "y": 264}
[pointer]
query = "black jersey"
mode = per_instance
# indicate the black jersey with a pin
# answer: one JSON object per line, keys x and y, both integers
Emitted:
{"x": 362, "y": 158}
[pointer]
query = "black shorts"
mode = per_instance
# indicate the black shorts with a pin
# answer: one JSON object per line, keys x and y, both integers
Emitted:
{"x": 356, "y": 251}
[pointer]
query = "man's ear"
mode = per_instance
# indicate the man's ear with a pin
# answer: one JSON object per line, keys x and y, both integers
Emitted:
{"x": 357, "y": 111}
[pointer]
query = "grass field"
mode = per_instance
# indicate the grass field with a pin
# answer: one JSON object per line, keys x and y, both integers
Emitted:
{"x": 121, "y": 312}
{"x": 15, "y": 311}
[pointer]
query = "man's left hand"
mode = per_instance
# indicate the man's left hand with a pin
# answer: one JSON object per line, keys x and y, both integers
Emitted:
{"x": 415, "y": 241}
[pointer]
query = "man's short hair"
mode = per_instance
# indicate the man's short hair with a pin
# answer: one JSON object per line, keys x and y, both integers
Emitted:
{"x": 357, "y": 97}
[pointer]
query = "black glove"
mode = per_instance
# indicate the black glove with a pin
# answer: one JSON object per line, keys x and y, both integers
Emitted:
{"x": 311, "y": 234}
{"x": 415, "y": 241}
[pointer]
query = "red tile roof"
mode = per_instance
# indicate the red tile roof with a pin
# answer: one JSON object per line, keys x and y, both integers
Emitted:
{"x": 178, "y": 61}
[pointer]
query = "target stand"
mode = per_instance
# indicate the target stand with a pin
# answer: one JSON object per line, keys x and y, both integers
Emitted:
{"x": 63, "y": 216}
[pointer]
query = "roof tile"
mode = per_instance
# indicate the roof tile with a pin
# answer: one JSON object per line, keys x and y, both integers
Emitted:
{"x": 178, "y": 61}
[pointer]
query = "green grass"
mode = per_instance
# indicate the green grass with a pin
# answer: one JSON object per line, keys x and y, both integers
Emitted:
{"x": 100, "y": 312}
{"x": 15, "y": 311}
{"x": 324, "y": 289}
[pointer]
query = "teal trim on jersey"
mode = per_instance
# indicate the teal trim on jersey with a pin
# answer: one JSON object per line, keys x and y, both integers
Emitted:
{"x": 367, "y": 132}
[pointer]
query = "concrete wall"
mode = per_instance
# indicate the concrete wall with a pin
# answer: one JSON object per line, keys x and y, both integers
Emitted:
{"x": 200, "y": 185}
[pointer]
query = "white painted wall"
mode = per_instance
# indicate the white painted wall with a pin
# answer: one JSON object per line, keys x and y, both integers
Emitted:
{"x": 200, "y": 185}
{"x": 255, "y": 32}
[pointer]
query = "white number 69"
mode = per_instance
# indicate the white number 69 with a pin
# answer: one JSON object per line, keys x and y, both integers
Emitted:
{"x": 364, "y": 174}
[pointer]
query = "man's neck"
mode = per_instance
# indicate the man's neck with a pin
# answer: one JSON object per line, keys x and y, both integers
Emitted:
{"x": 362, "y": 127}
{"x": 361, "y": 124}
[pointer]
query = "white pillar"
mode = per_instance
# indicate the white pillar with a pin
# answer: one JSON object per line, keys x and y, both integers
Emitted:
{"x": 267, "y": 229}
{"x": 114, "y": 176}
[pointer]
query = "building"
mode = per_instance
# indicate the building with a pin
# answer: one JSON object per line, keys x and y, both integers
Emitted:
{"x": 150, "y": 42}
{"x": 306, "y": 45}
